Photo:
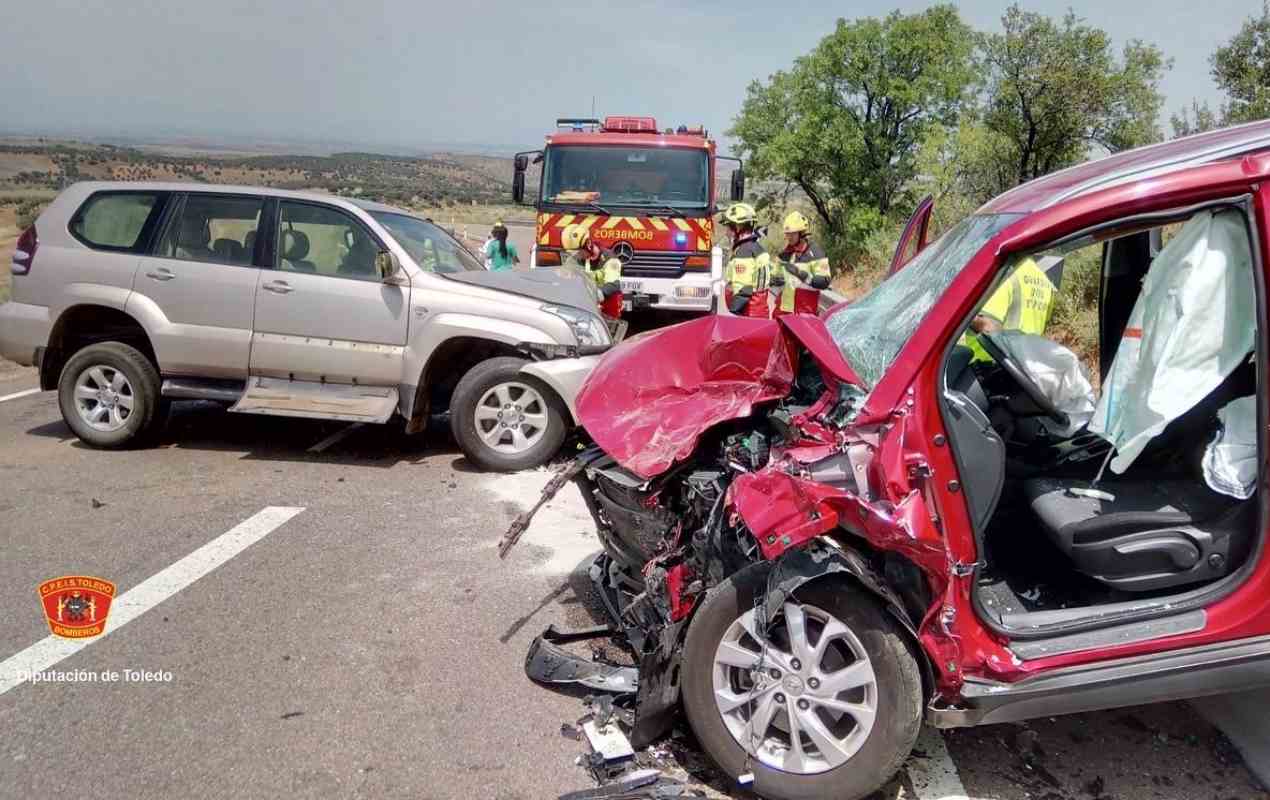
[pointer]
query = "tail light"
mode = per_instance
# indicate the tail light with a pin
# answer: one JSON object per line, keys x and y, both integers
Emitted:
{"x": 24, "y": 252}
{"x": 697, "y": 262}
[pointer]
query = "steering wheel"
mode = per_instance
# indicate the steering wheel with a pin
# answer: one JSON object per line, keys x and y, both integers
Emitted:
{"x": 1024, "y": 381}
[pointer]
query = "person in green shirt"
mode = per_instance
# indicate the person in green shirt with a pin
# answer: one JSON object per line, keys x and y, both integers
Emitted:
{"x": 500, "y": 254}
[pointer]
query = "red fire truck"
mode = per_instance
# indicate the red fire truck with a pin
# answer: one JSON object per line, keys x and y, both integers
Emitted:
{"x": 646, "y": 194}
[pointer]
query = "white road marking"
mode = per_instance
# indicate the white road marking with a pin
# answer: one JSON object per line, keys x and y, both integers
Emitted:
{"x": 335, "y": 437}
{"x": 935, "y": 776}
{"x": 149, "y": 593}
{"x": 16, "y": 395}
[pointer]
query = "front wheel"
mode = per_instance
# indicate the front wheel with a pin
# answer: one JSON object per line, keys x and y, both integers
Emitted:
{"x": 506, "y": 421}
{"x": 824, "y": 700}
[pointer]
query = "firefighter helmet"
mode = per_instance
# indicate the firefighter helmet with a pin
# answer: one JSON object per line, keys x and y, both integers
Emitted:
{"x": 795, "y": 222}
{"x": 739, "y": 214}
{"x": 574, "y": 237}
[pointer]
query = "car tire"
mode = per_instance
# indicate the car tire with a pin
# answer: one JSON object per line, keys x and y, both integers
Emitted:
{"x": 535, "y": 425}
{"x": 896, "y": 691}
{"x": 127, "y": 409}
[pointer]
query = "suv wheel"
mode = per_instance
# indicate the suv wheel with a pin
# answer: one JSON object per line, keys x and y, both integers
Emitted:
{"x": 109, "y": 395}
{"x": 506, "y": 421}
{"x": 826, "y": 701}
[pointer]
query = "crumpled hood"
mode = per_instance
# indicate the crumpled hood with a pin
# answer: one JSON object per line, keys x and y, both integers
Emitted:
{"x": 649, "y": 399}
{"x": 562, "y": 285}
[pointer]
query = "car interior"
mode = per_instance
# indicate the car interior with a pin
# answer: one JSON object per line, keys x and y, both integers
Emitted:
{"x": 1110, "y": 455}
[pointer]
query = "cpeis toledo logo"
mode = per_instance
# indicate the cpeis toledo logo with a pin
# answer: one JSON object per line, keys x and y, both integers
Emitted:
{"x": 76, "y": 605}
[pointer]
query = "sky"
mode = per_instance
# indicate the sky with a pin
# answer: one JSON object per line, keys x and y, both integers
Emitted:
{"x": 402, "y": 75}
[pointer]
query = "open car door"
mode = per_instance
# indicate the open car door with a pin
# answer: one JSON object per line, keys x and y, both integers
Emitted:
{"x": 913, "y": 239}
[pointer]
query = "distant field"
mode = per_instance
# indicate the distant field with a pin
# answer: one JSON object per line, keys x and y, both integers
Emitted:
{"x": 439, "y": 180}
{"x": 8, "y": 238}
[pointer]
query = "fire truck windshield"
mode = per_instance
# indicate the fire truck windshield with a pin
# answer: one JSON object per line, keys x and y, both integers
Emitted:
{"x": 627, "y": 176}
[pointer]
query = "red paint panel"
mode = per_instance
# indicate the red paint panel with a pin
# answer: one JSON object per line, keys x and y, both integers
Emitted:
{"x": 650, "y": 398}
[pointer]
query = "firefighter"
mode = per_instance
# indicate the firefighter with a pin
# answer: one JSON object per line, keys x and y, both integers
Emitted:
{"x": 746, "y": 274}
{"x": 801, "y": 271}
{"x": 603, "y": 267}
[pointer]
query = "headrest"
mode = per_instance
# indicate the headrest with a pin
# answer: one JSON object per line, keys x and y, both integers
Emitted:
{"x": 249, "y": 242}
{"x": 295, "y": 245}
{"x": 194, "y": 232}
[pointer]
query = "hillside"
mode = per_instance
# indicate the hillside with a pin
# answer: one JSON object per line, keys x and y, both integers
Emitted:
{"x": 433, "y": 180}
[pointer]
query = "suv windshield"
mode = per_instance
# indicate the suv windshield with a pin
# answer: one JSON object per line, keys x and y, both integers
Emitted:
{"x": 629, "y": 176}
{"x": 432, "y": 249}
{"x": 871, "y": 331}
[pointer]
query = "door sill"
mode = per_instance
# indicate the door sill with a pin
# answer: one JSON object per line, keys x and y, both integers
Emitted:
{"x": 314, "y": 400}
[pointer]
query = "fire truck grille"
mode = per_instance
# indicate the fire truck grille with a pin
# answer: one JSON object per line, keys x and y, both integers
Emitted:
{"x": 652, "y": 264}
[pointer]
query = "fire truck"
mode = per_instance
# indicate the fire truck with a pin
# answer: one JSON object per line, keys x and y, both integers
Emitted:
{"x": 648, "y": 195}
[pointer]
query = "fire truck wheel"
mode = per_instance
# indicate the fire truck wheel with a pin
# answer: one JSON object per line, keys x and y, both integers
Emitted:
{"x": 504, "y": 420}
{"x": 822, "y": 700}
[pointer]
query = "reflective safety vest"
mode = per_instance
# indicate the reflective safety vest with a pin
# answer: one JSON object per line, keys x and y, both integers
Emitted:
{"x": 803, "y": 273}
{"x": 606, "y": 271}
{"x": 1023, "y": 303}
{"x": 747, "y": 274}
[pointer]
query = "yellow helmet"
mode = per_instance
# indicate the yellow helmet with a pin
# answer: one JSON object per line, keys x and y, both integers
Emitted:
{"x": 739, "y": 214}
{"x": 574, "y": 237}
{"x": 795, "y": 222}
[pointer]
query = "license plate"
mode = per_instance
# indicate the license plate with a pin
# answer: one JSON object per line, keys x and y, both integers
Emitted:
{"x": 692, "y": 292}
{"x": 632, "y": 286}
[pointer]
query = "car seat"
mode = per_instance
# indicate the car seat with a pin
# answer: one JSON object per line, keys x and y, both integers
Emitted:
{"x": 295, "y": 249}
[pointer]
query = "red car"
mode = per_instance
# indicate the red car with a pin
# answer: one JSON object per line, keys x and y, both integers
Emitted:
{"x": 822, "y": 532}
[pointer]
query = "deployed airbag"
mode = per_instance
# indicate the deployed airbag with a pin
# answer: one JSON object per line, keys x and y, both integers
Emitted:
{"x": 1192, "y": 325}
{"x": 1056, "y": 371}
{"x": 1230, "y": 459}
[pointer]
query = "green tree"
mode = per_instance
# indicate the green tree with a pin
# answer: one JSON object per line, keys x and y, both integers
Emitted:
{"x": 1056, "y": 90}
{"x": 1242, "y": 70}
{"x": 1199, "y": 118}
{"x": 844, "y": 123}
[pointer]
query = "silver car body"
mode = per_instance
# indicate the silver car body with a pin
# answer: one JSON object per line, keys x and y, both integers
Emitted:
{"x": 217, "y": 321}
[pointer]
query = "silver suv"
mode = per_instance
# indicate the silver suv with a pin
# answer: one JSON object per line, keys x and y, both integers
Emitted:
{"x": 129, "y": 295}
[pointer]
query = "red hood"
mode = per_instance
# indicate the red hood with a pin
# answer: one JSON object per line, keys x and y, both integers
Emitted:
{"x": 649, "y": 399}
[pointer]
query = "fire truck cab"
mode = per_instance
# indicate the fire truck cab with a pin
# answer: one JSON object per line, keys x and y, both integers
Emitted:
{"x": 647, "y": 195}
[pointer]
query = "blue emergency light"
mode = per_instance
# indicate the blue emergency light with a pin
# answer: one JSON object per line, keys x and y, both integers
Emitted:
{"x": 681, "y": 238}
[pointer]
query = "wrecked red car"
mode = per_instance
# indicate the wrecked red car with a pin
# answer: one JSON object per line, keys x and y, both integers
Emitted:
{"x": 821, "y": 533}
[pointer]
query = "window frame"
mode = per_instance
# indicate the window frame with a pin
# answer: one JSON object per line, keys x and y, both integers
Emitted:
{"x": 274, "y": 256}
{"x": 177, "y": 208}
{"x": 146, "y": 237}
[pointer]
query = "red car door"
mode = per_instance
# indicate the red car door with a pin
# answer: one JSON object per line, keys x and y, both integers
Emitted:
{"x": 913, "y": 239}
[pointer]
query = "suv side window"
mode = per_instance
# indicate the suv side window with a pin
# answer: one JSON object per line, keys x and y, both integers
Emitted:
{"x": 326, "y": 241}
{"x": 220, "y": 229}
{"x": 116, "y": 220}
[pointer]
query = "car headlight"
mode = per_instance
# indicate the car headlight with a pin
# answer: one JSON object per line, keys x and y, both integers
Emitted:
{"x": 589, "y": 329}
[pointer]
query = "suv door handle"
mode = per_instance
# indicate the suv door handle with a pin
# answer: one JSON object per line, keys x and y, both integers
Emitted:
{"x": 161, "y": 274}
{"x": 277, "y": 287}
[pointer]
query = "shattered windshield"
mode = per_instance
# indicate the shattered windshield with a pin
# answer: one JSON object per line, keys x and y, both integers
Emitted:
{"x": 674, "y": 177}
{"x": 871, "y": 331}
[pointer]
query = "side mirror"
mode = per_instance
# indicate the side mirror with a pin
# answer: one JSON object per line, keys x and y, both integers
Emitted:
{"x": 386, "y": 264}
{"x": 518, "y": 185}
{"x": 738, "y": 184}
{"x": 521, "y": 162}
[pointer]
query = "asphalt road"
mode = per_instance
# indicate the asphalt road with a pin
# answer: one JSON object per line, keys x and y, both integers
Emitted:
{"x": 371, "y": 644}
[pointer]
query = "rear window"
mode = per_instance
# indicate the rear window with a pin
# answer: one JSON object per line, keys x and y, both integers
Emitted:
{"x": 115, "y": 220}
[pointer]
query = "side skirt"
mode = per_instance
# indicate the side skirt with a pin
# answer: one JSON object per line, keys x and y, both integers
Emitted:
{"x": 1160, "y": 677}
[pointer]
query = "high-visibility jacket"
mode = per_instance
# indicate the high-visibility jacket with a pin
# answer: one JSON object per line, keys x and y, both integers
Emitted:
{"x": 606, "y": 270}
{"x": 746, "y": 276}
{"x": 801, "y": 272}
{"x": 1023, "y": 303}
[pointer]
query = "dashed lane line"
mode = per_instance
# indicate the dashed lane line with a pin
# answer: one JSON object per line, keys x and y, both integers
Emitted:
{"x": 18, "y": 668}
{"x": 25, "y": 393}
{"x": 934, "y": 777}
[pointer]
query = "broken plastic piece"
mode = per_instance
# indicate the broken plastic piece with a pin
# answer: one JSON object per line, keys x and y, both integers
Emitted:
{"x": 556, "y": 636}
{"x": 745, "y": 779}
{"x": 608, "y": 741}
{"x": 622, "y": 788}
{"x": 547, "y": 663}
